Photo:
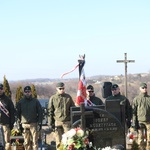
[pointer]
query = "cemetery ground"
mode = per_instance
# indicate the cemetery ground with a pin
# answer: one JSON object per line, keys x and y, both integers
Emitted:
{"x": 47, "y": 141}
{"x": 106, "y": 122}
{"x": 50, "y": 140}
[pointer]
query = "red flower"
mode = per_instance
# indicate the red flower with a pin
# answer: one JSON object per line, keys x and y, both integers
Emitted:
{"x": 86, "y": 141}
{"x": 131, "y": 136}
{"x": 71, "y": 147}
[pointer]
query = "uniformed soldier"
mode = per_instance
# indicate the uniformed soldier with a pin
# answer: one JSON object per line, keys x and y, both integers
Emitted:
{"x": 116, "y": 95}
{"x": 29, "y": 114}
{"x": 59, "y": 112}
{"x": 141, "y": 113}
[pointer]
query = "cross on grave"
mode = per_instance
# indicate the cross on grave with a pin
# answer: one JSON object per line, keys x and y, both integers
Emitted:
{"x": 125, "y": 61}
{"x": 83, "y": 114}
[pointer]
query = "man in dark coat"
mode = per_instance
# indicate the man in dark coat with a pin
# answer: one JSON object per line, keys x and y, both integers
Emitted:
{"x": 91, "y": 96}
{"x": 116, "y": 95}
{"x": 29, "y": 114}
{"x": 7, "y": 116}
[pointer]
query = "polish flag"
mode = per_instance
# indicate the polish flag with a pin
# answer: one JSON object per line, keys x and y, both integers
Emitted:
{"x": 81, "y": 93}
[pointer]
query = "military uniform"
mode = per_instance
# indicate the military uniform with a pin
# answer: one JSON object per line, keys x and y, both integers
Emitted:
{"x": 29, "y": 114}
{"x": 141, "y": 117}
{"x": 141, "y": 110}
{"x": 59, "y": 113}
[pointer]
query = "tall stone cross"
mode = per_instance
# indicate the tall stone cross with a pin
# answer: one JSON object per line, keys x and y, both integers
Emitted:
{"x": 125, "y": 61}
{"x": 82, "y": 113}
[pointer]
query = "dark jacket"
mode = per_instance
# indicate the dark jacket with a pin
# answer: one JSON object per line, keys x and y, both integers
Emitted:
{"x": 95, "y": 100}
{"x": 8, "y": 104}
{"x": 59, "y": 108}
{"x": 29, "y": 111}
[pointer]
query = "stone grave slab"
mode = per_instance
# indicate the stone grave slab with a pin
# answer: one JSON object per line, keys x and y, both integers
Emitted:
{"x": 106, "y": 129}
{"x": 106, "y": 123}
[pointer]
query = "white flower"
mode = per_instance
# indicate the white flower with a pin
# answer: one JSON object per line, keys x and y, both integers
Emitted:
{"x": 90, "y": 144}
{"x": 108, "y": 148}
{"x": 68, "y": 135}
{"x": 75, "y": 139}
{"x": 128, "y": 135}
{"x": 131, "y": 140}
{"x": 80, "y": 133}
{"x": 64, "y": 139}
{"x": 71, "y": 133}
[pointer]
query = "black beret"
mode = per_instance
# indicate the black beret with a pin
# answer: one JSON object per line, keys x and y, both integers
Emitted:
{"x": 27, "y": 88}
{"x": 90, "y": 88}
{"x": 114, "y": 86}
{"x": 1, "y": 85}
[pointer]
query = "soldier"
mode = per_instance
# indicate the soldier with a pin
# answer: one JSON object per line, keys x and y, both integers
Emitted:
{"x": 29, "y": 114}
{"x": 116, "y": 95}
{"x": 141, "y": 114}
{"x": 59, "y": 112}
{"x": 7, "y": 116}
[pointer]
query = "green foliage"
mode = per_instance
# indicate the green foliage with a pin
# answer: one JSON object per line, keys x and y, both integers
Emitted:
{"x": 33, "y": 90}
{"x": 135, "y": 146}
{"x": 6, "y": 87}
{"x": 19, "y": 94}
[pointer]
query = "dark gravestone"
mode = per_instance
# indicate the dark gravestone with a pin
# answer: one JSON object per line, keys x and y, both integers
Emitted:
{"x": 117, "y": 109}
{"x": 107, "y": 127}
{"x": 77, "y": 113}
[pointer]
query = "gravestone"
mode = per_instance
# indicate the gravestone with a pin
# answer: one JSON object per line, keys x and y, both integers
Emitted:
{"x": 107, "y": 127}
{"x": 117, "y": 109}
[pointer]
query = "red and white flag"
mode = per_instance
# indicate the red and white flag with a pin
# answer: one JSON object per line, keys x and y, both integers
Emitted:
{"x": 81, "y": 92}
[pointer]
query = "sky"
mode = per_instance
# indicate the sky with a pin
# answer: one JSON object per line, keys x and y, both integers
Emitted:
{"x": 44, "y": 38}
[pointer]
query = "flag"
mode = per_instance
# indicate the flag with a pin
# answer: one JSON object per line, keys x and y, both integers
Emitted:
{"x": 69, "y": 71}
{"x": 81, "y": 91}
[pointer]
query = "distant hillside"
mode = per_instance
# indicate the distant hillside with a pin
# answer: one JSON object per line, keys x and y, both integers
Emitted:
{"x": 46, "y": 87}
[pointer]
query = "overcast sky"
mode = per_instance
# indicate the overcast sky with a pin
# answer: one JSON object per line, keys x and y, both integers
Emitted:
{"x": 44, "y": 38}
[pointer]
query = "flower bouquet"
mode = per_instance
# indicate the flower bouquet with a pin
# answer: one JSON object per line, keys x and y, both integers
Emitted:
{"x": 75, "y": 139}
{"x": 78, "y": 139}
